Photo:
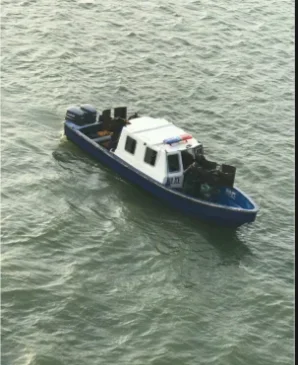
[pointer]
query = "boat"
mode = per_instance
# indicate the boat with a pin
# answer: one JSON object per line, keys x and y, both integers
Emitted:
{"x": 162, "y": 159}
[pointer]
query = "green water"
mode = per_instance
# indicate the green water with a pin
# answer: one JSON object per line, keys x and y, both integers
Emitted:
{"x": 94, "y": 271}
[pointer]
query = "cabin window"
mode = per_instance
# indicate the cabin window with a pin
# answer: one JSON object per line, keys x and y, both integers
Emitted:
{"x": 150, "y": 156}
{"x": 130, "y": 145}
{"x": 173, "y": 163}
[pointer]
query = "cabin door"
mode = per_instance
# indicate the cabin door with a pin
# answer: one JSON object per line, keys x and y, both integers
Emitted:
{"x": 175, "y": 170}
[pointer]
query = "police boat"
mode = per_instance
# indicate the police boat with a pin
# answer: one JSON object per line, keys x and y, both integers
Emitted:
{"x": 162, "y": 159}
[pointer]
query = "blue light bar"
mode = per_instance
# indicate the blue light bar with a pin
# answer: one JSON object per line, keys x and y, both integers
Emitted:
{"x": 177, "y": 139}
{"x": 172, "y": 140}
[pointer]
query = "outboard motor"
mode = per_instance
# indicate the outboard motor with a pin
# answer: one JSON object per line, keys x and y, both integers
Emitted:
{"x": 75, "y": 115}
{"x": 90, "y": 113}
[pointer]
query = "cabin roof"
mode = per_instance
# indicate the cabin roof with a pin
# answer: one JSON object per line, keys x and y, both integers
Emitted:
{"x": 153, "y": 131}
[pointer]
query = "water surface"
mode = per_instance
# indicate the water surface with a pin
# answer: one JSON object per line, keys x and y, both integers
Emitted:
{"x": 94, "y": 271}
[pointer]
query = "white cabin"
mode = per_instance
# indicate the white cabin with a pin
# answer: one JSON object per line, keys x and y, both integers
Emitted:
{"x": 157, "y": 148}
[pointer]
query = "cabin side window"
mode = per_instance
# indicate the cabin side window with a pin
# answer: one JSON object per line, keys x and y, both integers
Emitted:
{"x": 150, "y": 156}
{"x": 173, "y": 163}
{"x": 130, "y": 145}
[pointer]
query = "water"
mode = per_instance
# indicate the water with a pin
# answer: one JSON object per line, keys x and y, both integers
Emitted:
{"x": 94, "y": 271}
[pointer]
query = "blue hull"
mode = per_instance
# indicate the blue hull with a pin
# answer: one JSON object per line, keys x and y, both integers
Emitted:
{"x": 219, "y": 214}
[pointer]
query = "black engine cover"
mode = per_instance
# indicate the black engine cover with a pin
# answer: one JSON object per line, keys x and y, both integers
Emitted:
{"x": 75, "y": 115}
{"x": 86, "y": 114}
{"x": 90, "y": 113}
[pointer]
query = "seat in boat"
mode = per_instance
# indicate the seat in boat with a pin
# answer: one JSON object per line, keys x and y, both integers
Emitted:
{"x": 120, "y": 112}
